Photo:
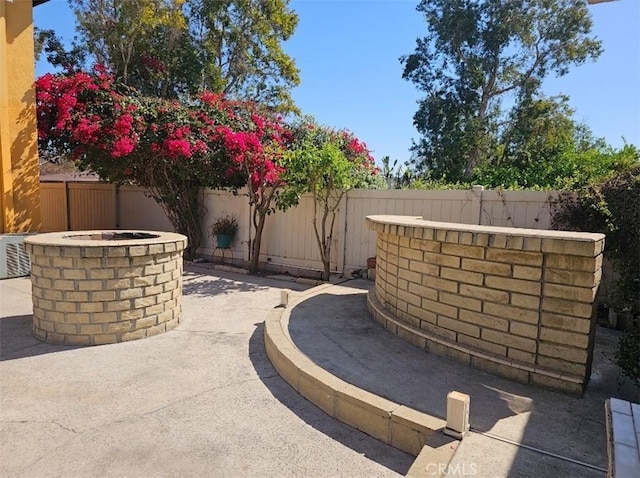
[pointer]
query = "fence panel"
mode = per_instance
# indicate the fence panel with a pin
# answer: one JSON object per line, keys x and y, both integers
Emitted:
{"x": 54, "y": 206}
{"x": 288, "y": 238}
{"x": 91, "y": 206}
{"x": 221, "y": 203}
{"x": 137, "y": 211}
{"x": 528, "y": 209}
{"x": 445, "y": 206}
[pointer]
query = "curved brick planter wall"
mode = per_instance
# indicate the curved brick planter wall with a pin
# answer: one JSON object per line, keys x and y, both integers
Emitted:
{"x": 94, "y": 287}
{"x": 515, "y": 302}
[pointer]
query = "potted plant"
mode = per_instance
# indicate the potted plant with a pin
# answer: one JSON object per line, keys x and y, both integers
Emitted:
{"x": 224, "y": 229}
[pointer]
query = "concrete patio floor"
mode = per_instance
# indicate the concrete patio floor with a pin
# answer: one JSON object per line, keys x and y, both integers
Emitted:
{"x": 204, "y": 400}
{"x": 201, "y": 400}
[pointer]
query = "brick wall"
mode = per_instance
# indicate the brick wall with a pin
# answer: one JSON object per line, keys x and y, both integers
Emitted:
{"x": 515, "y": 302}
{"x": 92, "y": 292}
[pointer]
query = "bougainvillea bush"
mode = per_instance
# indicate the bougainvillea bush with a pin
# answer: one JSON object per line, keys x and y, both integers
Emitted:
{"x": 173, "y": 149}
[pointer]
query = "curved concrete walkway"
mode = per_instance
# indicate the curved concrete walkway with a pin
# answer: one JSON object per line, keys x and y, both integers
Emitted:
{"x": 329, "y": 337}
{"x": 400, "y": 426}
{"x": 200, "y": 401}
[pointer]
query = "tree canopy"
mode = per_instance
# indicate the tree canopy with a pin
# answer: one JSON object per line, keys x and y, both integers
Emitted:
{"x": 478, "y": 57}
{"x": 177, "y": 48}
{"x": 541, "y": 146}
{"x": 238, "y": 45}
{"x": 326, "y": 163}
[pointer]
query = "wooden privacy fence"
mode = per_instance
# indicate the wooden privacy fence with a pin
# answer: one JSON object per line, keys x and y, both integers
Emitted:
{"x": 85, "y": 205}
{"x": 288, "y": 238}
{"x": 76, "y": 206}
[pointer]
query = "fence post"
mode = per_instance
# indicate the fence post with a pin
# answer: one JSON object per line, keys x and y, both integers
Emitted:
{"x": 116, "y": 206}
{"x": 476, "y": 203}
{"x": 67, "y": 209}
{"x": 342, "y": 251}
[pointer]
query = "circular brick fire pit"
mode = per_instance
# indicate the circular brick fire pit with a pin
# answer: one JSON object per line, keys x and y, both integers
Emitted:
{"x": 102, "y": 287}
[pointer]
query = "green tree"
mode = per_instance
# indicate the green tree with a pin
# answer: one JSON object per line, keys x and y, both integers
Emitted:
{"x": 238, "y": 45}
{"x": 543, "y": 146}
{"x": 476, "y": 54}
{"x": 48, "y": 43}
{"x": 325, "y": 163}
{"x": 536, "y": 147}
{"x": 173, "y": 48}
{"x": 395, "y": 177}
{"x": 145, "y": 43}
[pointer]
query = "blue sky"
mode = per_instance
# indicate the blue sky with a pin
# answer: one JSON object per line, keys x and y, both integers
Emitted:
{"x": 347, "y": 53}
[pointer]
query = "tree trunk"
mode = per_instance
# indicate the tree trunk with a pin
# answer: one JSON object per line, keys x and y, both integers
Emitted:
{"x": 325, "y": 247}
{"x": 255, "y": 245}
{"x": 185, "y": 213}
{"x": 326, "y": 274}
{"x": 471, "y": 163}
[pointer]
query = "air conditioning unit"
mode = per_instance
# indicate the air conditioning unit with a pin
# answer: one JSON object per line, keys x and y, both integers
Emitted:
{"x": 14, "y": 261}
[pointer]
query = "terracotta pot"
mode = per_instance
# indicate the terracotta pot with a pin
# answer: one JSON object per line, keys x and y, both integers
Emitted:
{"x": 371, "y": 263}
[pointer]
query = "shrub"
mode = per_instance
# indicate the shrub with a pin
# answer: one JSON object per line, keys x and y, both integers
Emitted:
{"x": 612, "y": 207}
{"x": 326, "y": 163}
{"x": 628, "y": 354}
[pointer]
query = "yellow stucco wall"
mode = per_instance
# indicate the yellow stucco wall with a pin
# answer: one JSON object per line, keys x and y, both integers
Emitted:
{"x": 19, "y": 181}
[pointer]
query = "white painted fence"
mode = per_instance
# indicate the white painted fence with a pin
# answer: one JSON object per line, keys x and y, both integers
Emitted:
{"x": 288, "y": 238}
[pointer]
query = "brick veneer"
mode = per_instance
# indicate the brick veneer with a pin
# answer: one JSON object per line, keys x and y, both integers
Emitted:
{"x": 93, "y": 291}
{"x": 515, "y": 302}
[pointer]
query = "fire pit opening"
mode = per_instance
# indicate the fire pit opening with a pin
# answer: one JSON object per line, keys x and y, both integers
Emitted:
{"x": 112, "y": 236}
{"x": 100, "y": 287}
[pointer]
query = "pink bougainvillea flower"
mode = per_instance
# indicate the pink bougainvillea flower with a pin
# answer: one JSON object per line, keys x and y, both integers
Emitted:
{"x": 123, "y": 147}
{"x": 211, "y": 99}
{"x": 123, "y": 124}
{"x": 176, "y": 148}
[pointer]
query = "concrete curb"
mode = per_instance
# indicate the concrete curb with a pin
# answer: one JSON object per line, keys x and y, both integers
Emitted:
{"x": 404, "y": 428}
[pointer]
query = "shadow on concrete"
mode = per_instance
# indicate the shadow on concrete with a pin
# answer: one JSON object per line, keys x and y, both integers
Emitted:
{"x": 204, "y": 281}
{"x": 373, "y": 449}
{"x": 200, "y": 284}
{"x": 337, "y": 332}
{"x": 17, "y": 340}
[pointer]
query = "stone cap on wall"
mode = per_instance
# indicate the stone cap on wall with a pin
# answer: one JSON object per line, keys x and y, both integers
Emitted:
{"x": 100, "y": 238}
{"x": 537, "y": 240}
